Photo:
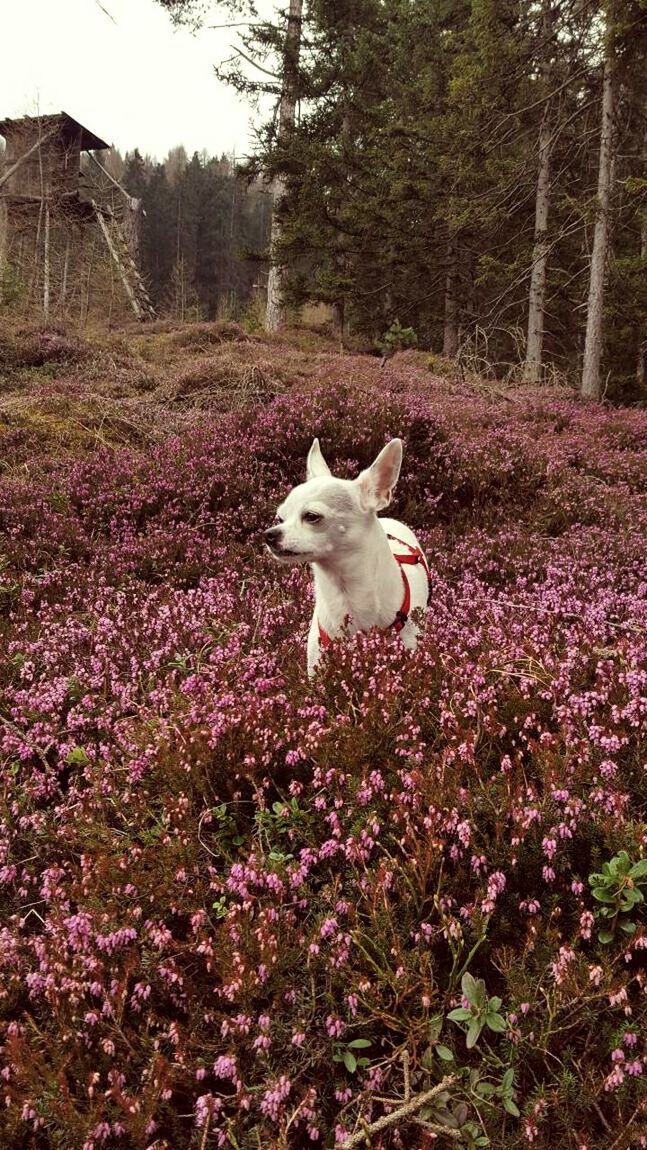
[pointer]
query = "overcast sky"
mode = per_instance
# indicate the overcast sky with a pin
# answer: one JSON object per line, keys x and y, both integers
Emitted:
{"x": 132, "y": 79}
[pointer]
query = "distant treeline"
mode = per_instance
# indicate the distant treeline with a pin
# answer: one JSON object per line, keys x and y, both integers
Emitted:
{"x": 204, "y": 232}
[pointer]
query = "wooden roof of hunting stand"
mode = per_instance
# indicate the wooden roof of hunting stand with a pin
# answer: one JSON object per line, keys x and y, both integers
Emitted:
{"x": 68, "y": 129}
{"x": 44, "y": 154}
{"x": 42, "y": 172}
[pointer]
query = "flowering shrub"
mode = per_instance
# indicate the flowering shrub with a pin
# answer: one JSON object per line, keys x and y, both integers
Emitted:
{"x": 244, "y": 909}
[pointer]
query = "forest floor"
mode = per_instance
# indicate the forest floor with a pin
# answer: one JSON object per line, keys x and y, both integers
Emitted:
{"x": 402, "y": 901}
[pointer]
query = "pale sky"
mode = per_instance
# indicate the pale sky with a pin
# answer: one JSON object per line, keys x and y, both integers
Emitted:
{"x": 133, "y": 80}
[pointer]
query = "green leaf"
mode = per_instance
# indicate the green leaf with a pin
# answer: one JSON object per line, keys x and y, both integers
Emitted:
{"x": 496, "y": 1022}
{"x": 628, "y": 927}
{"x": 460, "y": 1014}
{"x": 474, "y": 1029}
{"x": 435, "y": 1027}
{"x": 359, "y": 1044}
{"x": 494, "y": 1003}
{"x": 602, "y": 894}
{"x": 632, "y": 897}
{"x": 350, "y": 1061}
{"x": 639, "y": 869}
{"x": 470, "y": 989}
{"x": 486, "y": 1089}
{"x": 444, "y": 1052}
{"x": 605, "y": 936}
{"x": 511, "y": 1107}
{"x": 427, "y": 1060}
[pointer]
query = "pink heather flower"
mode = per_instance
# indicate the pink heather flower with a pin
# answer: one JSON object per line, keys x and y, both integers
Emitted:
{"x": 263, "y": 1042}
{"x": 634, "y": 1068}
{"x": 630, "y": 1039}
{"x": 587, "y": 921}
{"x": 272, "y": 1101}
{"x": 206, "y": 1106}
{"x": 614, "y": 1079}
{"x": 225, "y": 1067}
{"x": 617, "y": 1055}
{"x": 334, "y": 1026}
{"x": 298, "y": 1038}
{"x": 328, "y": 928}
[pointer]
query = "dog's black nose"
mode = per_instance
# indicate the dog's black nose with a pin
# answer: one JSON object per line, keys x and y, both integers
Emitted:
{"x": 273, "y": 534}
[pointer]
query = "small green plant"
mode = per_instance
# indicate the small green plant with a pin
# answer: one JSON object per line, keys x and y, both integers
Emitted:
{"x": 482, "y": 1011}
{"x": 619, "y": 887}
{"x": 397, "y": 338}
{"x": 504, "y": 1091}
{"x": 344, "y": 1052}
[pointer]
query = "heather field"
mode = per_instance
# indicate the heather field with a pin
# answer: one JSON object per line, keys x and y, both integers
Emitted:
{"x": 401, "y": 905}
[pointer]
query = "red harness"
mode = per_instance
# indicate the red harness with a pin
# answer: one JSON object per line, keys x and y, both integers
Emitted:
{"x": 413, "y": 558}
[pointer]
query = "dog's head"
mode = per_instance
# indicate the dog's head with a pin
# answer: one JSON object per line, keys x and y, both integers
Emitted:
{"x": 325, "y": 516}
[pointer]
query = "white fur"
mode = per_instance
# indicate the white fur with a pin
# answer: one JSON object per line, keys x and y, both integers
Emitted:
{"x": 357, "y": 580}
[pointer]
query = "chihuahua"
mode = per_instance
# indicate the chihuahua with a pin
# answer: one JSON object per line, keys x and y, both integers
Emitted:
{"x": 368, "y": 572}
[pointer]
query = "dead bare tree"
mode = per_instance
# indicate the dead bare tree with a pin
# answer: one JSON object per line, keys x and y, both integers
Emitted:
{"x": 591, "y": 385}
{"x": 275, "y": 310}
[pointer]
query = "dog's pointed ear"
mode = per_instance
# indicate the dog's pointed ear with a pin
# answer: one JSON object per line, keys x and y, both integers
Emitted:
{"x": 377, "y": 482}
{"x": 316, "y": 465}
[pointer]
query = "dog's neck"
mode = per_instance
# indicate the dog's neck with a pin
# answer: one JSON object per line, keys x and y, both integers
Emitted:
{"x": 365, "y": 585}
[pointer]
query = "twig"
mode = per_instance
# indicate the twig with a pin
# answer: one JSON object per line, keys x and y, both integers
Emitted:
{"x": 399, "y": 1115}
{"x": 203, "y": 1142}
{"x": 628, "y": 1125}
{"x": 601, "y": 1117}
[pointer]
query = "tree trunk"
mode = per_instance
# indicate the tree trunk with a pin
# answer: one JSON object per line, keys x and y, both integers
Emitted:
{"x": 591, "y": 387}
{"x": 275, "y": 311}
{"x": 641, "y": 364}
{"x": 450, "y": 331}
{"x": 46, "y": 265}
{"x": 537, "y": 295}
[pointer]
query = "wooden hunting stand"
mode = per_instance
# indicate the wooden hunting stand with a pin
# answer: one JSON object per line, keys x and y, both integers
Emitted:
{"x": 68, "y": 242}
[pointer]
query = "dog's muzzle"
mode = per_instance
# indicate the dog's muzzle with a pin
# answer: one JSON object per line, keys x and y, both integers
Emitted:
{"x": 273, "y": 540}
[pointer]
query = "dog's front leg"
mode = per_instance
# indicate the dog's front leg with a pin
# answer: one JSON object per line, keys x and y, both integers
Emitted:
{"x": 314, "y": 646}
{"x": 409, "y": 636}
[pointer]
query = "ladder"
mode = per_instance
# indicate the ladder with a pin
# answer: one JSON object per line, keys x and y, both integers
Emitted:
{"x": 120, "y": 252}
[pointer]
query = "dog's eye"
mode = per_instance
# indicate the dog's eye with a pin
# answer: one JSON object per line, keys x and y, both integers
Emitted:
{"x": 311, "y": 517}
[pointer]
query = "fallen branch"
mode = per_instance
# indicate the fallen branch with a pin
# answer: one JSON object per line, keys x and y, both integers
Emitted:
{"x": 401, "y": 1114}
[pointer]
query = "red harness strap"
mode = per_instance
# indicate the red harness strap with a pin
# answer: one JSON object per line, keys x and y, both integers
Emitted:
{"x": 413, "y": 558}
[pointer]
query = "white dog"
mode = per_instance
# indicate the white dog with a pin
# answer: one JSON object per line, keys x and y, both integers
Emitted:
{"x": 368, "y": 572}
